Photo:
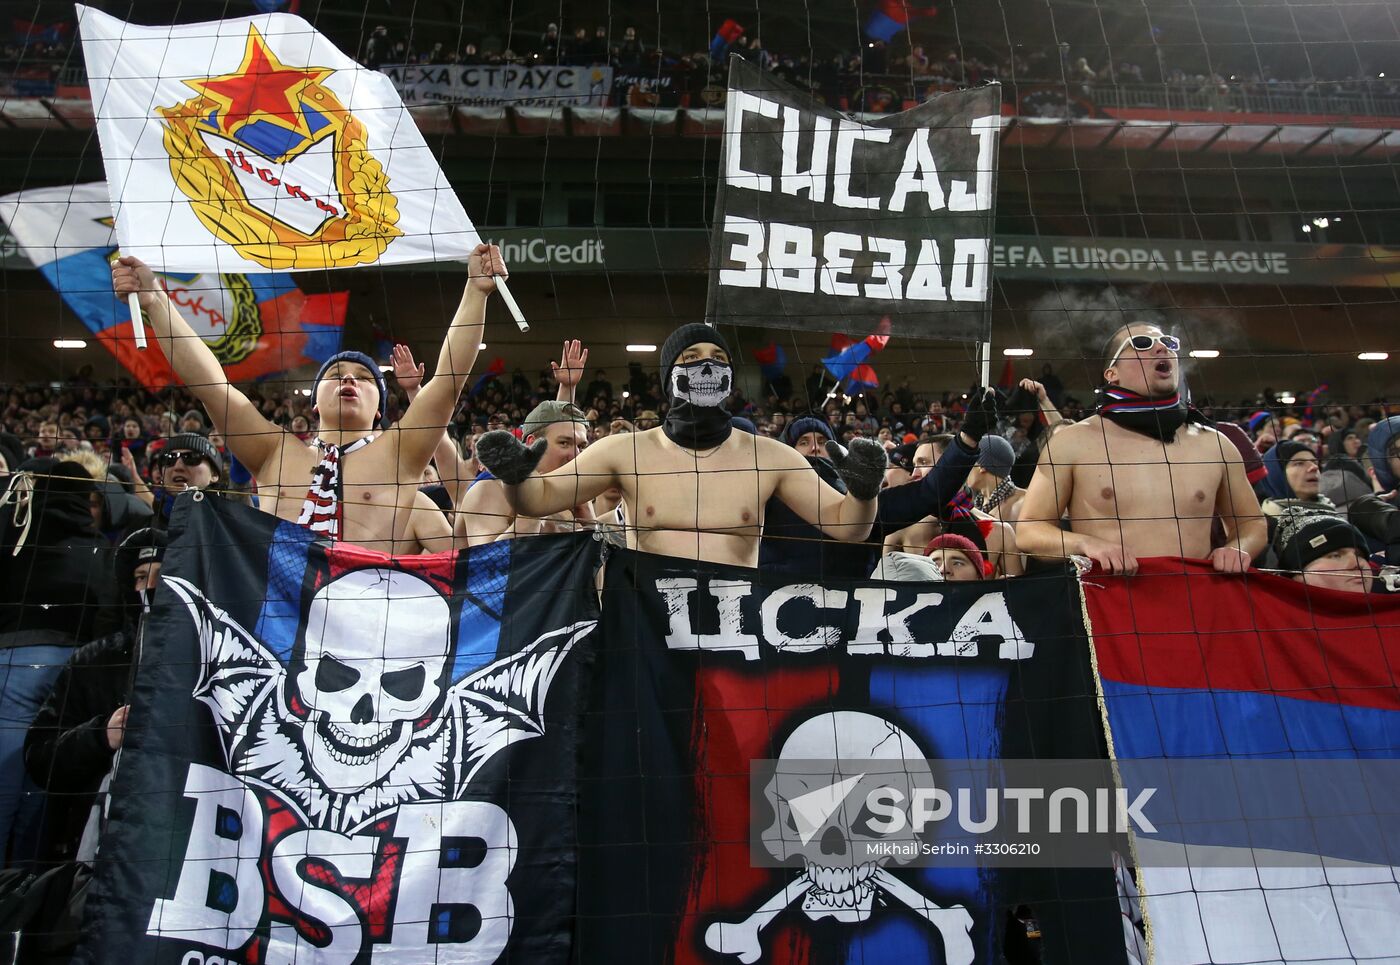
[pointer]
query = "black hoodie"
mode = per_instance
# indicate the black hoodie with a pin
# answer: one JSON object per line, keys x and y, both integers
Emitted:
{"x": 59, "y": 587}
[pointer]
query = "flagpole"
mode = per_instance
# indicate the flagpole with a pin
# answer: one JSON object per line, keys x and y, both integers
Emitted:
{"x": 138, "y": 325}
{"x": 515, "y": 311}
{"x": 984, "y": 354}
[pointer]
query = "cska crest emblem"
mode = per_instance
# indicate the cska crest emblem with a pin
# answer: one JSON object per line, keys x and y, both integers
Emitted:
{"x": 276, "y": 166}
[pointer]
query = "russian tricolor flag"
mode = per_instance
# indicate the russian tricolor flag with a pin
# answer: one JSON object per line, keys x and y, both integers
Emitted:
{"x": 1258, "y": 671}
{"x": 258, "y": 325}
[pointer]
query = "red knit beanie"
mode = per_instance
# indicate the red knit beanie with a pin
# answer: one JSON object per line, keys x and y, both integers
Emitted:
{"x": 965, "y": 546}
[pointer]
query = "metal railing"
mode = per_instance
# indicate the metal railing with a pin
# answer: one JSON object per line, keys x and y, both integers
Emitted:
{"x": 1287, "y": 97}
{"x": 1247, "y": 99}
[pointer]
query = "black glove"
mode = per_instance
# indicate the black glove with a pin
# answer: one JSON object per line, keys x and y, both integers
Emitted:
{"x": 862, "y": 467}
{"x": 981, "y": 415}
{"x": 507, "y": 458}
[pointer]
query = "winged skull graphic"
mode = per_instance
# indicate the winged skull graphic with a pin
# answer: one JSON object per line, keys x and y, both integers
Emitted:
{"x": 368, "y": 719}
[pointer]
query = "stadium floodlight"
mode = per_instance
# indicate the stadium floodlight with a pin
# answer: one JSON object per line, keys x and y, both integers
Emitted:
{"x": 1204, "y": 353}
{"x": 69, "y": 343}
{"x": 641, "y": 348}
{"x": 1373, "y": 356}
{"x": 1018, "y": 352}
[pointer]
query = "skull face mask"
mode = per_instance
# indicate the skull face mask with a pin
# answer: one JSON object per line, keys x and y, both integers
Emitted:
{"x": 697, "y": 418}
{"x": 703, "y": 383}
{"x": 377, "y": 643}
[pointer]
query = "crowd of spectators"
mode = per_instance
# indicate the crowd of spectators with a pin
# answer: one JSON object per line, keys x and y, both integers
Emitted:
{"x": 89, "y": 472}
{"x": 876, "y": 76}
{"x": 864, "y": 77}
{"x": 118, "y": 430}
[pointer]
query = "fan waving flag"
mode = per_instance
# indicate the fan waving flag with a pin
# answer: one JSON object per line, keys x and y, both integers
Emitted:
{"x": 254, "y": 145}
{"x": 257, "y": 325}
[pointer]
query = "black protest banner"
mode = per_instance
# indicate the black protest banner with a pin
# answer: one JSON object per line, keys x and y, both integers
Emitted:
{"x": 833, "y": 222}
{"x": 339, "y": 756}
{"x": 703, "y": 669}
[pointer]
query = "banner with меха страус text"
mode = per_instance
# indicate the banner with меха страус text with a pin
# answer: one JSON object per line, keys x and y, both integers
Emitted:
{"x": 834, "y": 222}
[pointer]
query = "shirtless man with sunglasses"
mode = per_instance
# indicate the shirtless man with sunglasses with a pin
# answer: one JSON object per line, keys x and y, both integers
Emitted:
{"x": 1143, "y": 477}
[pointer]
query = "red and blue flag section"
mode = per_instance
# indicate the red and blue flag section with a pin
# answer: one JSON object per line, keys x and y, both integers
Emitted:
{"x": 257, "y": 325}
{"x": 728, "y": 32}
{"x": 851, "y": 355}
{"x": 493, "y": 372}
{"x": 890, "y": 18}
{"x": 1288, "y": 693}
{"x": 771, "y": 360}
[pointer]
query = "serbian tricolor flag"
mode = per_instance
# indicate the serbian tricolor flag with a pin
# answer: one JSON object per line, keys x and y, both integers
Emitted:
{"x": 257, "y": 325}
{"x": 891, "y": 18}
{"x": 1272, "y": 710}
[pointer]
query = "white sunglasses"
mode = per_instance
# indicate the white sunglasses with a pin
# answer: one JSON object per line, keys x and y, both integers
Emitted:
{"x": 1144, "y": 343}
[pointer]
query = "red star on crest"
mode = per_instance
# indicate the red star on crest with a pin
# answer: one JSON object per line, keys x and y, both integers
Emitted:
{"x": 262, "y": 87}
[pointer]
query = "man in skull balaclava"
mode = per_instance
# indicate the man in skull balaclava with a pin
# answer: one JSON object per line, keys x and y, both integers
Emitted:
{"x": 694, "y": 487}
{"x": 697, "y": 377}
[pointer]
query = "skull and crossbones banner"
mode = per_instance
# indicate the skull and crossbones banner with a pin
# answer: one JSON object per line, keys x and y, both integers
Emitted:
{"x": 703, "y": 670}
{"x": 339, "y": 756}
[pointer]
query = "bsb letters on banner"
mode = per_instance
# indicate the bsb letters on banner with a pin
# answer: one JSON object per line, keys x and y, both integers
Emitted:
{"x": 338, "y": 756}
{"x": 829, "y": 221}
{"x": 253, "y": 145}
{"x": 703, "y": 669}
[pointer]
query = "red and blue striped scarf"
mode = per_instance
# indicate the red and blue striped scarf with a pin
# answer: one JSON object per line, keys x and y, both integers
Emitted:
{"x": 1158, "y": 418}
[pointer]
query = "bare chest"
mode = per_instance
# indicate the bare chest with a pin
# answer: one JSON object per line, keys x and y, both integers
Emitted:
{"x": 1138, "y": 478}
{"x": 373, "y": 507}
{"x": 722, "y": 492}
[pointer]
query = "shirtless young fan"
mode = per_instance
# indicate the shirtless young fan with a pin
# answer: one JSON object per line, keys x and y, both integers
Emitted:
{"x": 1141, "y": 478}
{"x": 693, "y": 488}
{"x": 350, "y": 484}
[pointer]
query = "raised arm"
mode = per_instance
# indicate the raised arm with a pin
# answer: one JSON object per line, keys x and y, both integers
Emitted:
{"x": 1246, "y": 530}
{"x": 409, "y": 374}
{"x": 573, "y": 359}
{"x": 426, "y": 419}
{"x": 905, "y": 505}
{"x": 597, "y": 468}
{"x": 1048, "y": 412}
{"x": 252, "y": 438}
{"x": 845, "y": 517}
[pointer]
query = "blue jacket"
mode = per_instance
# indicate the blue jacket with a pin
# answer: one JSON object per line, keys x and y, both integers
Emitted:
{"x": 794, "y": 547}
{"x": 1275, "y": 483}
{"x": 1381, "y": 434}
